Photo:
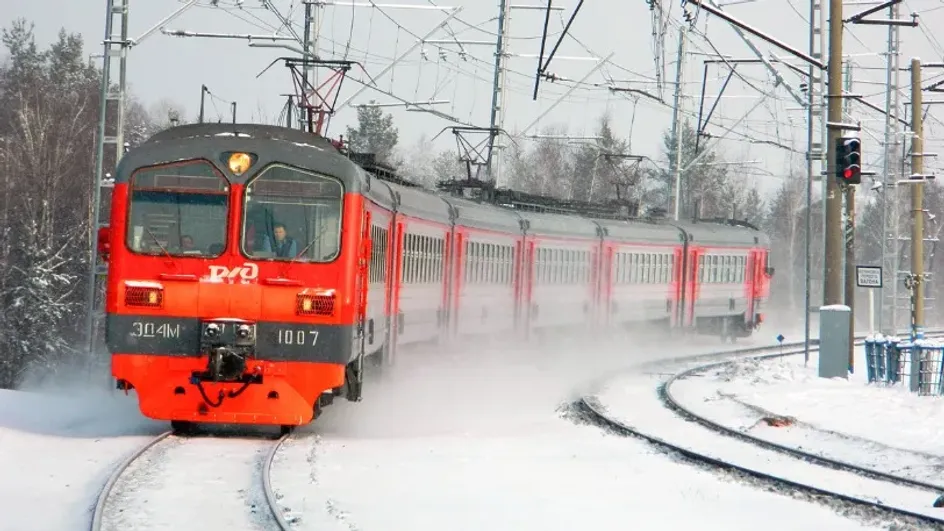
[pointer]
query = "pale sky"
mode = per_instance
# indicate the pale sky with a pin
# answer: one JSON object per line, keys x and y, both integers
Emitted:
{"x": 164, "y": 67}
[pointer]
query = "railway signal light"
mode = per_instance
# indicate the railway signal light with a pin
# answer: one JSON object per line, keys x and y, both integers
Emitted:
{"x": 848, "y": 160}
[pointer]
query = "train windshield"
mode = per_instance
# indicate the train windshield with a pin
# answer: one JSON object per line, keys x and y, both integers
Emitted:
{"x": 179, "y": 210}
{"x": 292, "y": 214}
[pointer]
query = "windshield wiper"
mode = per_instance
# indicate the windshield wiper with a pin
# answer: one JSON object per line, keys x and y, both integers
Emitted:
{"x": 310, "y": 243}
{"x": 158, "y": 242}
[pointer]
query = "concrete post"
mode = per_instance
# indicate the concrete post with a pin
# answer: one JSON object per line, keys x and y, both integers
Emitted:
{"x": 834, "y": 342}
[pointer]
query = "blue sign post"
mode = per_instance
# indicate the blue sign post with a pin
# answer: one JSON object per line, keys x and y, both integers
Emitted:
{"x": 780, "y": 339}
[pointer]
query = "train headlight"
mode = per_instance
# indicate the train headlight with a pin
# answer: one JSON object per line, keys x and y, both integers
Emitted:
{"x": 212, "y": 330}
{"x": 244, "y": 331}
{"x": 239, "y": 163}
{"x": 144, "y": 296}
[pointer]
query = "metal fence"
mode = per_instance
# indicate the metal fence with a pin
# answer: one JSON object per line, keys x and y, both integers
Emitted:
{"x": 916, "y": 364}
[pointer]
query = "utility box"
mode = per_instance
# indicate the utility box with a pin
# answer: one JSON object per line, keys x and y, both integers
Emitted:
{"x": 834, "y": 341}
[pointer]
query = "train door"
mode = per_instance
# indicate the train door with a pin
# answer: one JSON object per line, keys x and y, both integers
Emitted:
{"x": 395, "y": 320}
{"x": 445, "y": 312}
{"x": 756, "y": 270}
{"x": 517, "y": 281}
{"x": 692, "y": 282}
{"x": 606, "y": 284}
{"x": 678, "y": 286}
{"x": 596, "y": 283}
{"x": 458, "y": 270}
{"x": 528, "y": 278}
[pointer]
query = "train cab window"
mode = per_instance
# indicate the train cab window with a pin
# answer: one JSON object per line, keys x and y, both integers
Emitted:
{"x": 292, "y": 214}
{"x": 178, "y": 210}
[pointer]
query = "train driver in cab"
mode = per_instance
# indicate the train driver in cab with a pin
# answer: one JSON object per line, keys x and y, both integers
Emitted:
{"x": 284, "y": 244}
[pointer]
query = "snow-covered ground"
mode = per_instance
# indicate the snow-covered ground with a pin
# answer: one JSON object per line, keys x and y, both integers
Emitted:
{"x": 476, "y": 442}
{"x": 187, "y": 483}
{"x": 464, "y": 440}
{"x": 56, "y": 452}
{"x": 885, "y": 428}
{"x": 633, "y": 399}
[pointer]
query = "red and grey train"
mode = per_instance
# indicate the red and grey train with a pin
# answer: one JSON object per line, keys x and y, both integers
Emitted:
{"x": 253, "y": 269}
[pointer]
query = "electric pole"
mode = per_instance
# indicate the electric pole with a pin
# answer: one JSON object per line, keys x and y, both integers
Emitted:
{"x": 816, "y": 150}
{"x": 850, "y": 238}
{"x": 493, "y": 163}
{"x": 677, "y": 123}
{"x": 833, "y": 287}
{"x": 917, "y": 198}
{"x": 889, "y": 197}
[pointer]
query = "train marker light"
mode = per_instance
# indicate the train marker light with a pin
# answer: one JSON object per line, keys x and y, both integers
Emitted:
{"x": 239, "y": 163}
{"x": 144, "y": 295}
{"x": 321, "y": 302}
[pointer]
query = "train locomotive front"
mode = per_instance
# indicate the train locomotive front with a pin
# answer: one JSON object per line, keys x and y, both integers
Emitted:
{"x": 237, "y": 276}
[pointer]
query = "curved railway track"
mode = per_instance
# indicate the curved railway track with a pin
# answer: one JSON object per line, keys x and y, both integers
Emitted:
{"x": 100, "y": 517}
{"x": 591, "y": 408}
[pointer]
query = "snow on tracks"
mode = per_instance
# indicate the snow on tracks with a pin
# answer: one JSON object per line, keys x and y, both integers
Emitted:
{"x": 631, "y": 406}
{"x": 177, "y": 482}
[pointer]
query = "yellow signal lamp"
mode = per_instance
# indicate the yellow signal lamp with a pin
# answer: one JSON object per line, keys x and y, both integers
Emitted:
{"x": 307, "y": 304}
{"x": 239, "y": 163}
{"x": 153, "y": 296}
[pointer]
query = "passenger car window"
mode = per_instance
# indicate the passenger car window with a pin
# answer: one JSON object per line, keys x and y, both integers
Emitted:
{"x": 292, "y": 214}
{"x": 178, "y": 209}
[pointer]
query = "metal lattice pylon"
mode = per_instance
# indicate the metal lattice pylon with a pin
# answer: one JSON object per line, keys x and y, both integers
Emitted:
{"x": 110, "y": 146}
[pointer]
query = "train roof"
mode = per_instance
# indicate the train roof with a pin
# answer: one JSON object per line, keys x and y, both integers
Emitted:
{"x": 269, "y": 143}
{"x": 483, "y": 216}
{"x": 546, "y": 224}
{"x": 638, "y": 230}
{"x": 723, "y": 233}
{"x": 418, "y": 202}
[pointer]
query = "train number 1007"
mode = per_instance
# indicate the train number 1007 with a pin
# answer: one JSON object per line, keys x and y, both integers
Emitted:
{"x": 306, "y": 338}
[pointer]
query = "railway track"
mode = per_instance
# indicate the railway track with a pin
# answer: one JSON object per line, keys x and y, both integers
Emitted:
{"x": 110, "y": 509}
{"x": 784, "y": 467}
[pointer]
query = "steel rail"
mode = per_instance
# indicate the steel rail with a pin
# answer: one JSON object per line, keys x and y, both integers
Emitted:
{"x": 591, "y": 406}
{"x": 271, "y": 500}
{"x": 665, "y": 394}
{"x": 99, "y": 511}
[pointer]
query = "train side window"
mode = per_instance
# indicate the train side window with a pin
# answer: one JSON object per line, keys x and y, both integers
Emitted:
{"x": 378, "y": 254}
{"x": 427, "y": 259}
{"x": 437, "y": 260}
{"x": 618, "y": 268}
{"x": 492, "y": 262}
{"x": 407, "y": 257}
{"x": 178, "y": 209}
{"x": 629, "y": 268}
